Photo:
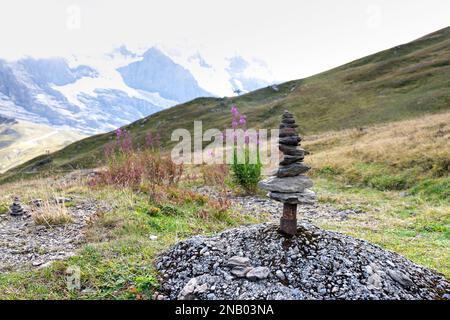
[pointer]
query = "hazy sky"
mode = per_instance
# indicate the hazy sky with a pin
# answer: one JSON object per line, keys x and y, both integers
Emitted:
{"x": 296, "y": 38}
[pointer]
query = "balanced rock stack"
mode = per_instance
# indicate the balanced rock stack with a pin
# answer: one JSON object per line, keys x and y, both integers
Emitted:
{"x": 289, "y": 185}
{"x": 16, "y": 208}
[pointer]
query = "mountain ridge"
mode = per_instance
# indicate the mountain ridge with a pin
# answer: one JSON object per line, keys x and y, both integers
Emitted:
{"x": 87, "y": 93}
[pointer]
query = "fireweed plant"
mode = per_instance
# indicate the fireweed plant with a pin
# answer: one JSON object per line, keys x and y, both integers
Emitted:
{"x": 245, "y": 173}
{"x": 128, "y": 166}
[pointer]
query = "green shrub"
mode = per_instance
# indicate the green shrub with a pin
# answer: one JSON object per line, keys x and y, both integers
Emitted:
{"x": 246, "y": 175}
{"x": 3, "y": 209}
{"x": 170, "y": 210}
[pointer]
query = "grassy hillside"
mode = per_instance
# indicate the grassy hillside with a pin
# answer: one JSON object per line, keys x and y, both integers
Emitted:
{"x": 399, "y": 175}
{"x": 396, "y": 84}
{"x": 396, "y": 156}
{"x": 21, "y": 141}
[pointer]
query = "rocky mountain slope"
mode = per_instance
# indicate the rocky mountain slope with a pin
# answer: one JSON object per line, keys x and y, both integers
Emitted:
{"x": 403, "y": 82}
{"x": 98, "y": 94}
{"x": 33, "y": 90}
{"x": 156, "y": 72}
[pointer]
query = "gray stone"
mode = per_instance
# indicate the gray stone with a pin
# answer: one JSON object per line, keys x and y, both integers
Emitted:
{"x": 374, "y": 282}
{"x": 290, "y": 141}
{"x": 211, "y": 296}
{"x": 289, "y": 118}
{"x": 62, "y": 200}
{"x": 291, "y": 159}
{"x": 304, "y": 197}
{"x": 192, "y": 289}
{"x": 403, "y": 279}
{"x": 240, "y": 271}
{"x": 285, "y": 125}
{"x": 286, "y": 185}
{"x": 291, "y": 150}
{"x": 287, "y": 132}
{"x": 238, "y": 261}
{"x": 280, "y": 275}
{"x": 187, "y": 293}
{"x": 202, "y": 288}
{"x": 258, "y": 273}
{"x": 37, "y": 202}
{"x": 292, "y": 170}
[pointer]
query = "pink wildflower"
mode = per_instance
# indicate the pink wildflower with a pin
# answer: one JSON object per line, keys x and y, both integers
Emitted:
{"x": 242, "y": 120}
{"x": 234, "y": 111}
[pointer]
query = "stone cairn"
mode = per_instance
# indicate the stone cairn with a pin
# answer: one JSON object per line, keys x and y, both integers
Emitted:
{"x": 16, "y": 208}
{"x": 289, "y": 185}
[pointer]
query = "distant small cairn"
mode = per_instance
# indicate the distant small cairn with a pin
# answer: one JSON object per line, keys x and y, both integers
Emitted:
{"x": 16, "y": 208}
{"x": 290, "y": 185}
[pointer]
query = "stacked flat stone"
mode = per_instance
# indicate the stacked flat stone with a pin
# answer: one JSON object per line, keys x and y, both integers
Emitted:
{"x": 290, "y": 185}
{"x": 16, "y": 208}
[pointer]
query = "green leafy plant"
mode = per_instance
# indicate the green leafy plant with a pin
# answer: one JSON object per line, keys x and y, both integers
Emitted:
{"x": 245, "y": 173}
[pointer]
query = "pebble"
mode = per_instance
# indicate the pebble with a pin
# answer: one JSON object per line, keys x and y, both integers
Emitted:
{"x": 258, "y": 273}
{"x": 280, "y": 275}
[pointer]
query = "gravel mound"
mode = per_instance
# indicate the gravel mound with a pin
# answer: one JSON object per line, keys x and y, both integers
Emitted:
{"x": 257, "y": 262}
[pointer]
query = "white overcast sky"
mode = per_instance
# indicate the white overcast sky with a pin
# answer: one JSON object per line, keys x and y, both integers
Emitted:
{"x": 296, "y": 38}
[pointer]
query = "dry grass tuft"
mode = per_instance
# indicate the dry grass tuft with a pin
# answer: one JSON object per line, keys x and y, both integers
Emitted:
{"x": 50, "y": 213}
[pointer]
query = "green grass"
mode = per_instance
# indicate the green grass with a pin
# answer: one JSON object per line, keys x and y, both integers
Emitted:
{"x": 435, "y": 190}
{"x": 374, "y": 175}
{"x": 407, "y": 224}
{"x": 400, "y": 83}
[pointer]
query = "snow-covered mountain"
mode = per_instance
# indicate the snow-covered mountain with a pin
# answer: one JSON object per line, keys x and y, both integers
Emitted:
{"x": 92, "y": 94}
